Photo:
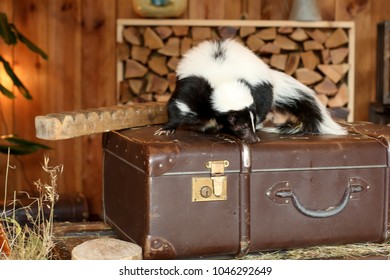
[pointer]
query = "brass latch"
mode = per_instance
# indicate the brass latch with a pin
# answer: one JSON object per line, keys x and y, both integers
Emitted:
{"x": 211, "y": 188}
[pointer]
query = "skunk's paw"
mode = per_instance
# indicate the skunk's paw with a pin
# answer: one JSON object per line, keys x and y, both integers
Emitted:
{"x": 163, "y": 131}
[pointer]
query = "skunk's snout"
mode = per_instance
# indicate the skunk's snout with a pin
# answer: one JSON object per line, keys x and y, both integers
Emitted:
{"x": 248, "y": 135}
{"x": 251, "y": 138}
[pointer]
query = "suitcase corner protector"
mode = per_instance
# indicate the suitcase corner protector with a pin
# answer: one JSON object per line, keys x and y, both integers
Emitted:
{"x": 158, "y": 248}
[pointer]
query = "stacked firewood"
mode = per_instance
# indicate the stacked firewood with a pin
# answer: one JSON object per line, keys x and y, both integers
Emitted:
{"x": 318, "y": 57}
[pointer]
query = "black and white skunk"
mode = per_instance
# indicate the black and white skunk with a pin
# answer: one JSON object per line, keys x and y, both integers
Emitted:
{"x": 223, "y": 86}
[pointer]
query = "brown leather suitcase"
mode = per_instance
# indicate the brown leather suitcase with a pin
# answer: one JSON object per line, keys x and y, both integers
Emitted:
{"x": 195, "y": 195}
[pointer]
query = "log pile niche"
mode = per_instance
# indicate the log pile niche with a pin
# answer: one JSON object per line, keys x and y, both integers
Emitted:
{"x": 319, "y": 54}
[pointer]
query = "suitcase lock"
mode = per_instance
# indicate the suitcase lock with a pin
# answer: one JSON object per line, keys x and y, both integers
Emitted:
{"x": 211, "y": 188}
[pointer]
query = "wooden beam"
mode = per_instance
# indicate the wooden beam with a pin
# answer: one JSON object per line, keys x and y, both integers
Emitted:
{"x": 67, "y": 125}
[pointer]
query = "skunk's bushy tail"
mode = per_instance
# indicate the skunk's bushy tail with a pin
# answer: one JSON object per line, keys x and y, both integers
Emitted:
{"x": 293, "y": 97}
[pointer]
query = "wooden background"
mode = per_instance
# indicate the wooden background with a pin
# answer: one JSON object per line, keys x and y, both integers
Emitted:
{"x": 79, "y": 37}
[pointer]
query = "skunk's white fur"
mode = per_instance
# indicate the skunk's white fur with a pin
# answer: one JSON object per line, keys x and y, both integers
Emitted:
{"x": 224, "y": 97}
{"x": 235, "y": 62}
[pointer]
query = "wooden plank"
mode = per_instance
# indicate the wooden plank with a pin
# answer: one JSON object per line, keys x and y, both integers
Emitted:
{"x": 361, "y": 13}
{"x": 275, "y": 9}
{"x": 98, "y": 88}
{"x": 7, "y": 105}
{"x": 65, "y": 31}
{"x": 64, "y": 84}
{"x": 233, "y": 9}
{"x": 252, "y": 9}
{"x": 351, "y": 74}
{"x": 222, "y": 22}
{"x": 65, "y": 125}
{"x": 30, "y": 17}
{"x": 327, "y": 9}
{"x": 196, "y": 9}
{"x": 124, "y": 9}
{"x": 379, "y": 12}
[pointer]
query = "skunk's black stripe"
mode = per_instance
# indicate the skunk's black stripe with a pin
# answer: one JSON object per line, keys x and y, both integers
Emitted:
{"x": 195, "y": 92}
{"x": 305, "y": 109}
{"x": 220, "y": 53}
{"x": 262, "y": 94}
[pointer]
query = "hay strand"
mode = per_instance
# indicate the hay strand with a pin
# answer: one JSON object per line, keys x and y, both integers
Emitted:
{"x": 33, "y": 242}
{"x": 349, "y": 251}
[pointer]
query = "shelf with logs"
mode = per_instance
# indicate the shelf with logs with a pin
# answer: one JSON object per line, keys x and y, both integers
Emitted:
{"x": 319, "y": 54}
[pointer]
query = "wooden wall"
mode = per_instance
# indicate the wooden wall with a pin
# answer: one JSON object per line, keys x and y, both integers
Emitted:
{"x": 79, "y": 37}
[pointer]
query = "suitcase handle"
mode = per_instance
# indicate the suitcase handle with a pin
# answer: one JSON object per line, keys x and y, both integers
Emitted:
{"x": 331, "y": 211}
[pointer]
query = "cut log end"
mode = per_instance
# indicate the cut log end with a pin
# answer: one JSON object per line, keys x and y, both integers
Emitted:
{"x": 307, "y": 76}
{"x": 107, "y": 249}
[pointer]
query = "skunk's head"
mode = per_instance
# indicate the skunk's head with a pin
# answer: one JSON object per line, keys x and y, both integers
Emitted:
{"x": 242, "y": 125}
{"x": 234, "y": 103}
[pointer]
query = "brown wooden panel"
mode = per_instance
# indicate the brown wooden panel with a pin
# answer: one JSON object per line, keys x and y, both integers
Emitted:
{"x": 327, "y": 9}
{"x": 252, "y": 8}
{"x": 380, "y": 12}
{"x": 64, "y": 83}
{"x": 6, "y": 104}
{"x": 196, "y": 9}
{"x": 361, "y": 12}
{"x": 275, "y": 9}
{"x": 124, "y": 9}
{"x": 30, "y": 17}
{"x": 233, "y": 10}
{"x": 98, "y": 86}
{"x": 217, "y": 9}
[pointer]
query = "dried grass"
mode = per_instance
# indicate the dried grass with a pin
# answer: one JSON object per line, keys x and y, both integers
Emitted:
{"x": 349, "y": 251}
{"x": 33, "y": 242}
